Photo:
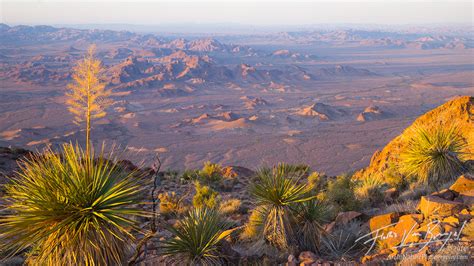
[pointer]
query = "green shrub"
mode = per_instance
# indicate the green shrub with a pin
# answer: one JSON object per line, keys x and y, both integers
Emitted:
{"x": 70, "y": 209}
{"x": 340, "y": 193}
{"x": 433, "y": 154}
{"x": 198, "y": 239}
{"x": 211, "y": 172}
{"x": 190, "y": 175}
{"x": 205, "y": 196}
{"x": 275, "y": 192}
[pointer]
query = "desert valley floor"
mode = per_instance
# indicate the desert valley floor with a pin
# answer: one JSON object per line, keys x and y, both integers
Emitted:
{"x": 255, "y": 102}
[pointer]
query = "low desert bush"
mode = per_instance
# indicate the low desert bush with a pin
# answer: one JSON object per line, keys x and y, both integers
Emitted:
{"x": 394, "y": 178}
{"x": 198, "y": 239}
{"x": 71, "y": 209}
{"x": 210, "y": 172}
{"x": 190, "y": 175}
{"x": 370, "y": 190}
{"x": 205, "y": 196}
{"x": 317, "y": 181}
{"x": 433, "y": 154}
{"x": 171, "y": 204}
{"x": 230, "y": 206}
{"x": 340, "y": 193}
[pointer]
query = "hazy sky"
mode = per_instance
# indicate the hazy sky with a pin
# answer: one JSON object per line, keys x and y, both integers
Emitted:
{"x": 263, "y": 12}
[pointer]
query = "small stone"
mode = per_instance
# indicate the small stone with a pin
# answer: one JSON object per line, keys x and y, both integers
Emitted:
{"x": 445, "y": 194}
{"x": 451, "y": 220}
{"x": 464, "y": 215}
{"x": 307, "y": 258}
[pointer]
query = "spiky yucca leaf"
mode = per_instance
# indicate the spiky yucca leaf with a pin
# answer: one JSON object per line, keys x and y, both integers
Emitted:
{"x": 433, "y": 154}
{"x": 70, "y": 209}
{"x": 311, "y": 215}
{"x": 277, "y": 190}
{"x": 198, "y": 238}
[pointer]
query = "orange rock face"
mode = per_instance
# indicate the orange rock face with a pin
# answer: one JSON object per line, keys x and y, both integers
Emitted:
{"x": 432, "y": 206}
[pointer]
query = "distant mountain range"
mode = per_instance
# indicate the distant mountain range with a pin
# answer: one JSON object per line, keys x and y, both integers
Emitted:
{"x": 175, "y": 67}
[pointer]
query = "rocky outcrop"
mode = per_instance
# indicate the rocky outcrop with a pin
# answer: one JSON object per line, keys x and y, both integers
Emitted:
{"x": 321, "y": 111}
{"x": 459, "y": 111}
{"x": 371, "y": 113}
{"x": 444, "y": 219}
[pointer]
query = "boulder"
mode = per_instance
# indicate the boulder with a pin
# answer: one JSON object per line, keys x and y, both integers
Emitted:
{"x": 463, "y": 184}
{"x": 432, "y": 206}
{"x": 382, "y": 221}
{"x": 404, "y": 231}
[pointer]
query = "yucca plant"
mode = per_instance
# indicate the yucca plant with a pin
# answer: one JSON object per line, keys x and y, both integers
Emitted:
{"x": 345, "y": 242}
{"x": 433, "y": 154}
{"x": 198, "y": 238}
{"x": 70, "y": 209}
{"x": 311, "y": 215}
{"x": 276, "y": 191}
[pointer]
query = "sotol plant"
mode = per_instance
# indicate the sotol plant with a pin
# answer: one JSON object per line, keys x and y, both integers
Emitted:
{"x": 88, "y": 97}
{"x": 70, "y": 209}
{"x": 198, "y": 238}
{"x": 433, "y": 154}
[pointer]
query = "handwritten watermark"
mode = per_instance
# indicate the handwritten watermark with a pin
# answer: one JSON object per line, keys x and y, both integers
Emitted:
{"x": 431, "y": 234}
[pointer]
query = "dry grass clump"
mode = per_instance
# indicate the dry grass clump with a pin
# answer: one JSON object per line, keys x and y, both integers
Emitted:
{"x": 230, "y": 206}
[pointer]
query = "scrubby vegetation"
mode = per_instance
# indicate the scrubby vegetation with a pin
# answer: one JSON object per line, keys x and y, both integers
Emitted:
{"x": 76, "y": 207}
{"x": 205, "y": 196}
{"x": 340, "y": 193}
